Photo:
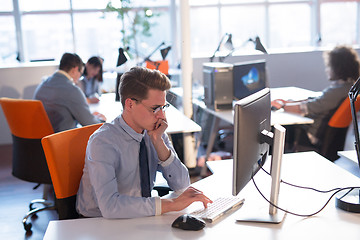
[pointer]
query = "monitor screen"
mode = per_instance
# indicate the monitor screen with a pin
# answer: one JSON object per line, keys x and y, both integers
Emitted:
{"x": 249, "y": 77}
{"x": 251, "y": 118}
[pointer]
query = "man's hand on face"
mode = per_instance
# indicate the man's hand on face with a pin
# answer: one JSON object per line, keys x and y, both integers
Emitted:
{"x": 159, "y": 128}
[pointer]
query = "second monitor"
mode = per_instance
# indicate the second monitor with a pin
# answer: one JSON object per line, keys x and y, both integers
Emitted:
{"x": 248, "y": 78}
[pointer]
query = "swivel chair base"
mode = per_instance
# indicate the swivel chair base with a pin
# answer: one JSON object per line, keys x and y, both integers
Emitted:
{"x": 48, "y": 205}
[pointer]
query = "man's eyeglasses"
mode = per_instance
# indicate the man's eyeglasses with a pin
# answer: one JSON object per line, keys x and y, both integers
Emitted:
{"x": 154, "y": 110}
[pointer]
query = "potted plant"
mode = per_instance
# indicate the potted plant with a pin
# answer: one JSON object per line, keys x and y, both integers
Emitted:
{"x": 135, "y": 21}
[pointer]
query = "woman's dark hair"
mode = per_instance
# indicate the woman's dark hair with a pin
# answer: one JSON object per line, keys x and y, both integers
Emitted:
{"x": 344, "y": 63}
{"x": 96, "y": 62}
{"x": 136, "y": 83}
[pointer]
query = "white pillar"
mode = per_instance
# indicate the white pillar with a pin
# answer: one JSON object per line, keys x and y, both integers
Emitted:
{"x": 19, "y": 32}
{"x": 174, "y": 35}
{"x": 186, "y": 75}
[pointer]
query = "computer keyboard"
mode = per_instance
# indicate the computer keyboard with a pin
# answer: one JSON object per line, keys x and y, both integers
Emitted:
{"x": 218, "y": 208}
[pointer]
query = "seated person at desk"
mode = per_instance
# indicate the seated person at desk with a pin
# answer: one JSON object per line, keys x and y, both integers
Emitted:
{"x": 342, "y": 67}
{"x": 89, "y": 82}
{"x": 115, "y": 183}
{"x": 64, "y": 102}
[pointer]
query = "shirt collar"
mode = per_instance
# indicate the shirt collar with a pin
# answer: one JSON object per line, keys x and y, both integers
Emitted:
{"x": 65, "y": 74}
{"x": 136, "y": 136}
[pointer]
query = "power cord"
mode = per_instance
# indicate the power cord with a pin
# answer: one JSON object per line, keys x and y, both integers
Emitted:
{"x": 307, "y": 188}
{"x": 337, "y": 190}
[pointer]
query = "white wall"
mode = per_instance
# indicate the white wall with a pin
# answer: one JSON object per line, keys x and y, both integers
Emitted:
{"x": 20, "y": 82}
{"x": 300, "y": 69}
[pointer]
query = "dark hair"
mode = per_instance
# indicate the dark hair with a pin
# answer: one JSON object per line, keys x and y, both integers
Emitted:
{"x": 96, "y": 62}
{"x": 343, "y": 62}
{"x": 69, "y": 61}
{"x": 136, "y": 82}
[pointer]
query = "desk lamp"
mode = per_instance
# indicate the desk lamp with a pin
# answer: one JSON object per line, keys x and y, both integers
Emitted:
{"x": 164, "y": 52}
{"x": 122, "y": 58}
{"x": 148, "y": 57}
{"x": 226, "y": 42}
{"x": 163, "y": 65}
{"x": 258, "y": 44}
{"x": 350, "y": 201}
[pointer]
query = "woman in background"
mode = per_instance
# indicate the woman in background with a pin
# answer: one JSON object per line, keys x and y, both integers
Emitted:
{"x": 342, "y": 67}
{"x": 91, "y": 79}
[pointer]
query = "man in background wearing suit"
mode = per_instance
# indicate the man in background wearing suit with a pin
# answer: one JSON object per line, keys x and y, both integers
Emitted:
{"x": 64, "y": 102}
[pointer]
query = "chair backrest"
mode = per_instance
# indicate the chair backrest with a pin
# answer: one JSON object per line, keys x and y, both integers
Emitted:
{"x": 65, "y": 155}
{"x": 28, "y": 123}
{"x": 26, "y": 118}
{"x": 342, "y": 116}
{"x": 335, "y": 133}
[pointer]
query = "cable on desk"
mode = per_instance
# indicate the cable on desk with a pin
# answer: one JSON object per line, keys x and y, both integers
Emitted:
{"x": 302, "y": 187}
{"x": 337, "y": 190}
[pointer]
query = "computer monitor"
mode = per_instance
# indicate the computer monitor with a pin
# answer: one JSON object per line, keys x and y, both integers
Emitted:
{"x": 252, "y": 140}
{"x": 248, "y": 78}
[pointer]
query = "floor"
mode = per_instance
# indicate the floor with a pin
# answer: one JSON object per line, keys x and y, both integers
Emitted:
{"x": 15, "y": 196}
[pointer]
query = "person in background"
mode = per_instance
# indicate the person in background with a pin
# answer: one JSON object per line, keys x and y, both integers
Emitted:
{"x": 114, "y": 184}
{"x": 89, "y": 82}
{"x": 342, "y": 67}
{"x": 64, "y": 102}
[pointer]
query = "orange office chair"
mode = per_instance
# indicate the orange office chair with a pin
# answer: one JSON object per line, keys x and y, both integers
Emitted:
{"x": 29, "y": 123}
{"x": 336, "y": 131}
{"x": 65, "y": 156}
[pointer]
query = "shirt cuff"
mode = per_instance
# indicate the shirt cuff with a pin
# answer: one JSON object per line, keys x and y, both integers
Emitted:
{"x": 168, "y": 161}
{"x": 157, "y": 206}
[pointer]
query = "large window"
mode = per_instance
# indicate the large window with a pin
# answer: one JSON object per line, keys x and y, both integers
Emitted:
{"x": 46, "y": 36}
{"x": 42, "y": 29}
{"x": 285, "y": 24}
{"x": 289, "y": 25}
{"x": 340, "y": 22}
{"x": 8, "y": 48}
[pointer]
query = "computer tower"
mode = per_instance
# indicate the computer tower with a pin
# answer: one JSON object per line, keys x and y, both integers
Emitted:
{"x": 218, "y": 85}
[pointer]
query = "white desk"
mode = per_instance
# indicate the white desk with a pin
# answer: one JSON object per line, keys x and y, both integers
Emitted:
{"x": 178, "y": 122}
{"x": 309, "y": 169}
{"x": 349, "y": 154}
{"x": 277, "y": 117}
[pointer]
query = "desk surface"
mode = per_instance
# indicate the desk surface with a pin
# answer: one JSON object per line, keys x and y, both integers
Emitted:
{"x": 349, "y": 154}
{"x": 308, "y": 169}
{"x": 178, "y": 122}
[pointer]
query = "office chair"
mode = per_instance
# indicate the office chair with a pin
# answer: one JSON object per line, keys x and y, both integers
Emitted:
{"x": 336, "y": 130}
{"x": 28, "y": 123}
{"x": 65, "y": 156}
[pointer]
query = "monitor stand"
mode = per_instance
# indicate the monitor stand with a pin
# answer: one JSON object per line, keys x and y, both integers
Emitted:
{"x": 271, "y": 215}
{"x": 261, "y": 216}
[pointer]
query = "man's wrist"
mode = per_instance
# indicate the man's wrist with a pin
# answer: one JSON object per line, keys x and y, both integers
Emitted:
{"x": 167, "y": 161}
{"x": 166, "y": 205}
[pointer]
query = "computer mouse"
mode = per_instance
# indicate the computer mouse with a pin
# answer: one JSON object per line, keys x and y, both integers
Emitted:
{"x": 188, "y": 222}
{"x": 273, "y": 108}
